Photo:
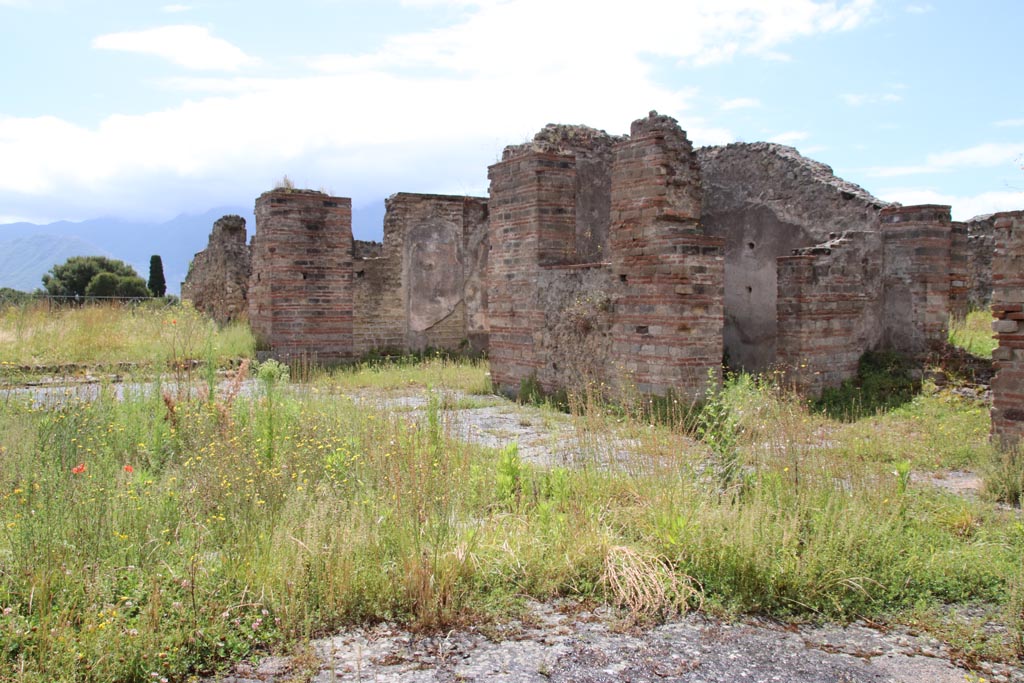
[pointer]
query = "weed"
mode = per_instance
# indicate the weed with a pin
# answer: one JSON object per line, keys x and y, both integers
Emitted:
{"x": 885, "y": 380}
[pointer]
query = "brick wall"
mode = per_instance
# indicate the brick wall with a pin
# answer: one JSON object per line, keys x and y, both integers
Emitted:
{"x": 959, "y": 270}
{"x": 667, "y": 329}
{"x": 916, "y": 279}
{"x": 425, "y": 287}
{"x": 300, "y": 290}
{"x": 1008, "y": 309}
{"x": 980, "y": 247}
{"x": 520, "y": 197}
{"x": 829, "y": 299}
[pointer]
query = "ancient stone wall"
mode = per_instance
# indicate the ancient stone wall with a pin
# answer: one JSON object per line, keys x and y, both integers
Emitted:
{"x": 300, "y": 290}
{"x": 916, "y": 242}
{"x": 425, "y": 289}
{"x": 959, "y": 270}
{"x": 767, "y": 200}
{"x": 1008, "y": 309}
{"x": 650, "y": 317}
{"x": 829, "y": 310}
{"x": 218, "y": 277}
{"x": 668, "y": 321}
{"x": 980, "y": 247}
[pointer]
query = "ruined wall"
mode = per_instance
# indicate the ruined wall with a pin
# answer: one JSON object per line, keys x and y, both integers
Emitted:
{"x": 1008, "y": 309}
{"x": 917, "y": 242}
{"x": 218, "y": 277}
{"x": 959, "y": 270}
{"x": 766, "y": 200}
{"x": 668, "y": 321}
{"x": 300, "y": 289}
{"x": 829, "y": 310}
{"x": 650, "y": 317}
{"x": 425, "y": 289}
{"x": 980, "y": 247}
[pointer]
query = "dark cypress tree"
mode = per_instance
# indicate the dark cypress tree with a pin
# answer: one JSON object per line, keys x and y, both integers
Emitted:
{"x": 157, "y": 283}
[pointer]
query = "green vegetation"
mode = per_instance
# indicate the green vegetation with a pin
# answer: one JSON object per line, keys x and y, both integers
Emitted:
{"x": 152, "y": 334}
{"x": 74, "y": 276}
{"x": 973, "y": 333}
{"x": 884, "y": 380}
{"x": 157, "y": 284}
{"x": 178, "y": 530}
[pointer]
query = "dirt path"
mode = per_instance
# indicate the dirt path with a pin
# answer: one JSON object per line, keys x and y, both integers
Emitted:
{"x": 555, "y": 643}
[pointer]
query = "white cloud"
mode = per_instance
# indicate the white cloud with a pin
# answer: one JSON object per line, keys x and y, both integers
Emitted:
{"x": 696, "y": 32}
{"x": 740, "y": 103}
{"x": 789, "y": 137}
{"x": 189, "y": 46}
{"x": 1009, "y": 123}
{"x": 964, "y": 206}
{"x": 427, "y": 111}
{"x": 172, "y": 9}
{"x": 919, "y": 9}
{"x": 986, "y": 155}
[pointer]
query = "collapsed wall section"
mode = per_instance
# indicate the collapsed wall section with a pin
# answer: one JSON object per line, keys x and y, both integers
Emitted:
{"x": 767, "y": 200}
{"x": 1008, "y": 309}
{"x": 218, "y": 277}
{"x": 829, "y": 310}
{"x": 916, "y": 242}
{"x": 300, "y": 289}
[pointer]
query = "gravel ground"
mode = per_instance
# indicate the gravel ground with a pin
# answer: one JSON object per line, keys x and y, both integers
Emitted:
{"x": 563, "y": 643}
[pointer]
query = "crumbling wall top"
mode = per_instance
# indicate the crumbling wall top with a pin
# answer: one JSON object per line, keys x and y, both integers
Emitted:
{"x": 806, "y": 170}
{"x": 918, "y": 213}
{"x": 227, "y": 229}
{"x": 557, "y": 138}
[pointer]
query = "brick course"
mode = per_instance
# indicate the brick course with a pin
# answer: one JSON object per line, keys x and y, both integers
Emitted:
{"x": 1008, "y": 310}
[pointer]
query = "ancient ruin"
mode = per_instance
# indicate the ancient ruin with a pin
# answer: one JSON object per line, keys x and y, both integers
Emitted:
{"x": 316, "y": 292}
{"x": 218, "y": 278}
{"x": 623, "y": 263}
{"x": 1008, "y": 309}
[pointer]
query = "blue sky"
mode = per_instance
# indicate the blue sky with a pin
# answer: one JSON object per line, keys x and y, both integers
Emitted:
{"x": 145, "y": 110}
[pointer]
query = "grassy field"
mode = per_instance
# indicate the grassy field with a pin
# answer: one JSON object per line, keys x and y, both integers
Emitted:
{"x": 172, "y": 533}
{"x": 147, "y": 335}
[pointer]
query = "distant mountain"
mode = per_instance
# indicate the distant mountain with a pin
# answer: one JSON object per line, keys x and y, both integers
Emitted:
{"x": 23, "y": 260}
{"x": 27, "y": 251}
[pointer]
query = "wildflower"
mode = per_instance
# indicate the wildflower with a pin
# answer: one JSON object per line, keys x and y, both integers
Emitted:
{"x": 129, "y": 469}
{"x": 78, "y": 469}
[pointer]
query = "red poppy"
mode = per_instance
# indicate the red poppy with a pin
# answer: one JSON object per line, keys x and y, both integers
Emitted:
{"x": 129, "y": 469}
{"x": 78, "y": 469}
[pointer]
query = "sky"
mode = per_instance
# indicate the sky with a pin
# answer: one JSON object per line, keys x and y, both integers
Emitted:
{"x": 147, "y": 110}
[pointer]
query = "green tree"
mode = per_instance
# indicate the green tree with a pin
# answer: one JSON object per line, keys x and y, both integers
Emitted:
{"x": 104, "y": 284}
{"x": 157, "y": 283}
{"x": 109, "y": 284}
{"x": 132, "y": 286}
{"x": 74, "y": 275}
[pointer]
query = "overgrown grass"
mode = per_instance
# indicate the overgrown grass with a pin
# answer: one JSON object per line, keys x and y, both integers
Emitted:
{"x": 973, "y": 333}
{"x": 170, "y": 535}
{"x": 32, "y": 335}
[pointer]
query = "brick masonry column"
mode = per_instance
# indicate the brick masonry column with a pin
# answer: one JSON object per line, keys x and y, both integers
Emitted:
{"x": 1008, "y": 309}
{"x": 532, "y": 215}
{"x": 667, "y": 325}
{"x": 916, "y": 271}
{"x": 300, "y": 290}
